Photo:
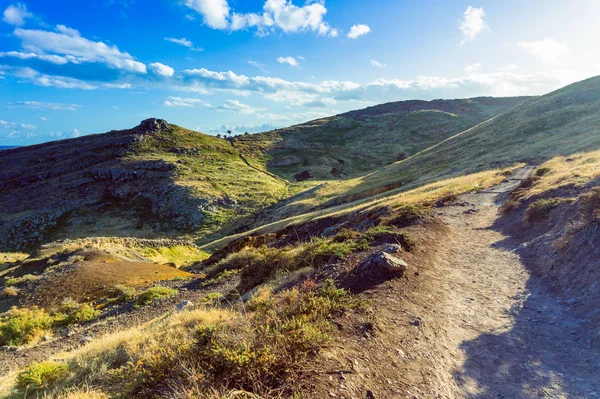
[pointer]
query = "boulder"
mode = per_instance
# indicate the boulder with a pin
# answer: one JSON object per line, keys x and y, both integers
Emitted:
{"x": 381, "y": 262}
{"x": 152, "y": 126}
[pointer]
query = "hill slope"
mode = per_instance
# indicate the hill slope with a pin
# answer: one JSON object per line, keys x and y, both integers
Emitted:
{"x": 559, "y": 123}
{"x": 357, "y": 142}
{"x": 153, "y": 180}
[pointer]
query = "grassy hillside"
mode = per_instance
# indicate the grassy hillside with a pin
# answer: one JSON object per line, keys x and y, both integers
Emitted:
{"x": 560, "y": 123}
{"x": 153, "y": 180}
{"x": 368, "y": 139}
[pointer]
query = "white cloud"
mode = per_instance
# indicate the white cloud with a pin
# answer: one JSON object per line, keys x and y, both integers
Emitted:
{"x": 358, "y": 30}
{"x": 473, "y": 67}
{"x": 377, "y": 64}
{"x": 77, "y": 49}
{"x": 161, "y": 69}
{"x": 258, "y": 65}
{"x": 548, "y": 49}
{"x": 183, "y": 102}
{"x": 215, "y": 13}
{"x": 184, "y": 42}
{"x": 76, "y": 133}
{"x": 27, "y": 127}
{"x": 43, "y": 119}
{"x": 291, "y": 61}
{"x": 281, "y": 14}
{"x": 473, "y": 23}
{"x": 238, "y": 107}
{"x": 16, "y": 15}
{"x": 44, "y": 105}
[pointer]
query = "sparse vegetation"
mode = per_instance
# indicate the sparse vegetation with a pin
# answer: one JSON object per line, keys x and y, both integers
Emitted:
{"x": 24, "y": 326}
{"x": 10, "y": 292}
{"x": 540, "y": 209}
{"x": 41, "y": 375}
{"x": 154, "y": 294}
{"x": 12, "y": 281}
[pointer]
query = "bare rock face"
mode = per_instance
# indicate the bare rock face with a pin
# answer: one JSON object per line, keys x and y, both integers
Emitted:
{"x": 152, "y": 126}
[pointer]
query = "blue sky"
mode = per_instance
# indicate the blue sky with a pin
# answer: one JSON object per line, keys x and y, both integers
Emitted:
{"x": 70, "y": 68}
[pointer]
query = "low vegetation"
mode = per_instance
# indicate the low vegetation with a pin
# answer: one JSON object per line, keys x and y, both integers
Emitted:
{"x": 154, "y": 294}
{"x": 541, "y": 208}
{"x": 260, "y": 348}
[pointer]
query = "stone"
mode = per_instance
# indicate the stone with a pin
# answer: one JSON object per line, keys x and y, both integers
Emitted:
{"x": 392, "y": 248}
{"x": 416, "y": 321}
{"x": 381, "y": 262}
{"x": 184, "y": 305}
{"x": 152, "y": 126}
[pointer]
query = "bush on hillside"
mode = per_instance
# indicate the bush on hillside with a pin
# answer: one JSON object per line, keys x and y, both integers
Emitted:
{"x": 24, "y": 326}
{"x": 41, "y": 375}
{"x": 154, "y": 294}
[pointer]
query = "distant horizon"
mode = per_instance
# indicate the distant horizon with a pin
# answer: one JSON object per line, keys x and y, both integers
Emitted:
{"x": 69, "y": 69}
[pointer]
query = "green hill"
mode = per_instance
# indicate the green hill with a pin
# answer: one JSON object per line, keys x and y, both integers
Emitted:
{"x": 357, "y": 142}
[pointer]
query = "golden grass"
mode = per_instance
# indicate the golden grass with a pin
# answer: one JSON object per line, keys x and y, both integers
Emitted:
{"x": 179, "y": 255}
{"x": 428, "y": 193}
{"x": 578, "y": 169}
{"x": 90, "y": 364}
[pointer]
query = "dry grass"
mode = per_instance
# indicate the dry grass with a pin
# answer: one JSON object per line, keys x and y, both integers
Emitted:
{"x": 400, "y": 197}
{"x": 576, "y": 170}
{"x": 204, "y": 352}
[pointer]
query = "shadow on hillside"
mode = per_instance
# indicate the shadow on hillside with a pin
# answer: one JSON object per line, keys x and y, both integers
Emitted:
{"x": 548, "y": 352}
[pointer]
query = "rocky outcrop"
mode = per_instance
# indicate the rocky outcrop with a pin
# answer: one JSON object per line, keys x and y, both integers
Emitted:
{"x": 152, "y": 126}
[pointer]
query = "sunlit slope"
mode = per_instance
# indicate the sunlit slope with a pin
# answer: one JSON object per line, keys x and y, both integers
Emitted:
{"x": 358, "y": 142}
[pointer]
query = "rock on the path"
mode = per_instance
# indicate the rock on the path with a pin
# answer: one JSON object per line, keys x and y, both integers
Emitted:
{"x": 381, "y": 262}
{"x": 184, "y": 305}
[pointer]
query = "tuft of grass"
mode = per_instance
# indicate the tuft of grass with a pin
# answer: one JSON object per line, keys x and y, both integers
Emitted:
{"x": 41, "y": 375}
{"x": 24, "y": 326}
{"x": 219, "y": 278}
{"x": 122, "y": 293}
{"x": 540, "y": 209}
{"x": 154, "y": 294}
{"x": 10, "y": 292}
{"x": 13, "y": 281}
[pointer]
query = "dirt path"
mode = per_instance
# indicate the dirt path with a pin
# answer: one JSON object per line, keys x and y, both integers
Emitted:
{"x": 505, "y": 336}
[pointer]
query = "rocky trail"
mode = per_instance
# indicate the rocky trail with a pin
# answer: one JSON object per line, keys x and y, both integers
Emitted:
{"x": 504, "y": 335}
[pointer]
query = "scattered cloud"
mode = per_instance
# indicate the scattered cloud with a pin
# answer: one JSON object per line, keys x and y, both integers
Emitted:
{"x": 16, "y": 14}
{"x": 76, "y": 133}
{"x": 185, "y": 43}
{"x": 548, "y": 49}
{"x": 358, "y": 30}
{"x": 276, "y": 14}
{"x": 258, "y": 65}
{"x": 238, "y": 107}
{"x": 161, "y": 69}
{"x": 215, "y": 13}
{"x": 472, "y": 24}
{"x": 27, "y": 127}
{"x": 44, "y": 105}
{"x": 291, "y": 61}
{"x": 43, "y": 119}
{"x": 473, "y": 67}
{"x": 241, "y": 129}
{"x": 183, "y": 102}
{"x": 377, "y": 64}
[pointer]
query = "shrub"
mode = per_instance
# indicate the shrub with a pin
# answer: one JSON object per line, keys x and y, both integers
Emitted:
{"x": 23, "y": 326}
{"x": 407, "y": 215}
{"x": 41, "y": 375}
{"x": 122, "y": 293}
{"x": 541, "y": 208}
{"x": 220, "y": 277}
{"x": 542, "y": 171}
{"x": 73, "y": 312}
{"x": 263, "y": 350}
{"x": 154, "y": 294}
